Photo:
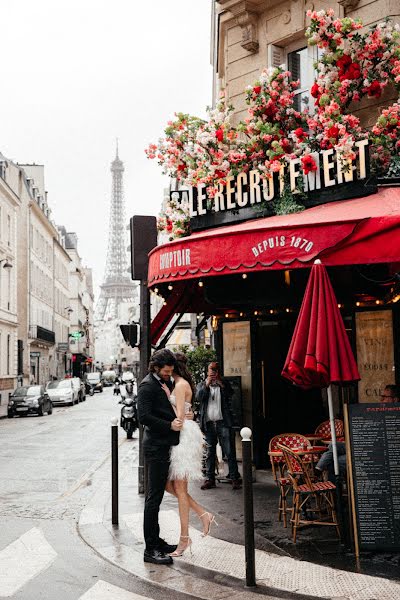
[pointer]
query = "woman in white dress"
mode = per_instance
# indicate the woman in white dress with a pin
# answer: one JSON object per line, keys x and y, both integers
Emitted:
{"x": 186, "y": 457}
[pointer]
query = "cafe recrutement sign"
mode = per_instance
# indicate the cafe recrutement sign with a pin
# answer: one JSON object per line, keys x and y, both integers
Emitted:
{"x": 248, "y": 196}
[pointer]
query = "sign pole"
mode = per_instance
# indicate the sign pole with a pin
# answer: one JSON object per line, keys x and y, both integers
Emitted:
{"x": 145, "y": 352}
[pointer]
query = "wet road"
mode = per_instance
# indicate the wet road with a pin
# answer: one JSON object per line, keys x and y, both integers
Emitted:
{"x": 48, "y": 471}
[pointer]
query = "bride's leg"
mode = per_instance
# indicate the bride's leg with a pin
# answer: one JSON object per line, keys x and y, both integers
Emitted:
{"x": 170, "y": 488}
{"x": 181, "y": 493}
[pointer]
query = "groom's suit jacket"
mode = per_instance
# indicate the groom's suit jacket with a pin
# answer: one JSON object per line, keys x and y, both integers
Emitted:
{"x": 156, "y": 414}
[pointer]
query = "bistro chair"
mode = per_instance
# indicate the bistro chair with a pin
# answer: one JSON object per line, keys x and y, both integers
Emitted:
{"x": 314, "y": 496}
{"x": 324, "y": 430}
{"x": 278, "y": 464}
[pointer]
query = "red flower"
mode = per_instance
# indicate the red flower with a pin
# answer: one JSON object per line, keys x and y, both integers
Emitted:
{"x": 169, "y": 226}
{"x": 315, "y": 93}
{"x": 181, "y": 167}
{"x": 220, "y": 174}
{"x": 347, "y": 68}
{"x": 257, "y": 89}
{"x": 375, "y": 89}
{"x": 286, "y": 145}
{"x": 308, "y": 164}
{"x": 333, "y": 132}
{"x": 300, "y": 134}
{"x": 219, "y": 134}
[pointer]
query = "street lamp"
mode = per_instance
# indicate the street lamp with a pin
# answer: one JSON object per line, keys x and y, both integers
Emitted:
{"x": 67, "y": 367}
{"x": 7, "y": 265}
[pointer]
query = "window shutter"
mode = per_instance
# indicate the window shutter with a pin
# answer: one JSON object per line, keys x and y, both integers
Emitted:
{"x": 275, "y": 56}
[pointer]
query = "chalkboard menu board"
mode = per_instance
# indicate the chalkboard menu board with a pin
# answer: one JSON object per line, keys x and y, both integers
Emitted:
{"x": 236, "y": 402}
{"x": 375, "y": 452}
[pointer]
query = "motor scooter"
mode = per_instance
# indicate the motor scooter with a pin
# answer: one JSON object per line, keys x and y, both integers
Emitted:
{"x": 129, "y": 419}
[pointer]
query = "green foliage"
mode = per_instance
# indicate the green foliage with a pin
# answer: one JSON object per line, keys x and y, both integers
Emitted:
{"x": 198, "y": 360}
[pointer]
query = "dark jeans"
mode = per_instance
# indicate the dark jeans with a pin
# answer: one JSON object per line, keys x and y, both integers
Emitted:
{"x": 157, "y": 463}
{"x": 217, "y": 432}
{"x": 325, "y": 463}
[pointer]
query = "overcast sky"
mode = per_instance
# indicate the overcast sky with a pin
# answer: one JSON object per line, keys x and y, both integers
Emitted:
{"x": 78, "y": 74}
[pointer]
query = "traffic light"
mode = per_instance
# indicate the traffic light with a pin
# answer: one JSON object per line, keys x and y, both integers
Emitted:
{"x": 130, "y": 333}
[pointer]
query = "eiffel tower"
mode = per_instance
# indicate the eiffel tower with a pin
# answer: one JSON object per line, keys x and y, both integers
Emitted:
{"x": 117, "y": 287}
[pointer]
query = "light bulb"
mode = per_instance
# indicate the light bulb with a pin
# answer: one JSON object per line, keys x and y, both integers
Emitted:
{"x": 200, "y": 284}
{"x": 244, "y": 276}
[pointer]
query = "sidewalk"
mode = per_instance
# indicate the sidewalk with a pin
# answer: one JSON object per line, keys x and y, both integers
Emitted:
{"x": 217, "y": 567}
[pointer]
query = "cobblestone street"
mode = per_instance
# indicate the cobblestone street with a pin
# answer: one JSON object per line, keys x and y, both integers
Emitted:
{"x": 49, "y": 468}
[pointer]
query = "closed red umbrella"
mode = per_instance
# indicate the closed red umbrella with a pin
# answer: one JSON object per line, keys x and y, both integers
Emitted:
{"x": 320, "y": 352}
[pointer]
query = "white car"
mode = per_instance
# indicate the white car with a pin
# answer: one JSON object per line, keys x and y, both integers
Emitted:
{"x": 62, "y": 392}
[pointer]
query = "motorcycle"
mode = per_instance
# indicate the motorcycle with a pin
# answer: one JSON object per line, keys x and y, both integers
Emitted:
{"x": 129, "y": 419}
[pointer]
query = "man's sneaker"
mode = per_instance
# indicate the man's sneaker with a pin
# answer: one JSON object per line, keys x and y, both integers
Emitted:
{"x": 157, "y": 557}
{"x": 236, "y": 484}
{"x": 208, "y": 484}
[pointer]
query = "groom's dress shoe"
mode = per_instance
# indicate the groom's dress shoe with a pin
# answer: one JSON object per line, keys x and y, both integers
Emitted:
{"x": 157, "y": 557}
{"x": 167, "y": 548}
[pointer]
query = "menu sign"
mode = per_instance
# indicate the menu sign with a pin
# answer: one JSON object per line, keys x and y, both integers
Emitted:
{"x": 375, "y": 353}
{"x": 375, "y": 450}
{"x": 237, "y": 360}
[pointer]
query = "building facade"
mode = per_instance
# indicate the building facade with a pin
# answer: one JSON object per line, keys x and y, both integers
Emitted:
{"x": 9, "y": 210}
{"x": 80, "y": 307}
{"x": 249, "y": 35}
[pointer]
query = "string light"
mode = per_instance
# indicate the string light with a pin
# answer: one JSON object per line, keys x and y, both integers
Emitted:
{"x": 288, "y": 310}
{"x": 358, "y": 303}
{"x": 200, "y": 284}
{"x": 255, "y": 313}
{"x": 241, "y": 314}
{"x": 244, "y": 276}
{"x": 271, "y": 312}
{"x": 377, "y": 301}
{"x": 339, "y": 306}
{"x": 226, "y": 315}
{"x": 170, "y": 287}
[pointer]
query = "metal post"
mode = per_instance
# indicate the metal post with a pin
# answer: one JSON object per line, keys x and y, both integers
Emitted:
{"x": 248, "y": 508}
{"x": 145, "y": 351}
{"x": 114, "y": 470}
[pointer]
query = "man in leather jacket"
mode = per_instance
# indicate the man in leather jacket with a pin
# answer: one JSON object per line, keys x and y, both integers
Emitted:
{"x": 216, "y": 420}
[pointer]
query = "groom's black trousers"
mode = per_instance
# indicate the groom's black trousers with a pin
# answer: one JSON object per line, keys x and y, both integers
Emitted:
{"x": 157, "y": 463}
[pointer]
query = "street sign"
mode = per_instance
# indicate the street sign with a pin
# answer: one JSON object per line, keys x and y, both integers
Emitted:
{"x": 76, "y": 335}
{"x": 35, "y": 354}
{"x": 62, "y": 347}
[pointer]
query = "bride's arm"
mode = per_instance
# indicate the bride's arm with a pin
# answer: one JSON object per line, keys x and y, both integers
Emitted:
{"x": 179, "y": 393}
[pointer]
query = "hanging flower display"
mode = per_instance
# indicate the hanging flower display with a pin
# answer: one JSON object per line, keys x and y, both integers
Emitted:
{"x": 351, "y": 66}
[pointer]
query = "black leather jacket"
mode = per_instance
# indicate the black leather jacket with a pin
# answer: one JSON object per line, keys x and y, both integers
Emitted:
{"x": 203, "y": 396}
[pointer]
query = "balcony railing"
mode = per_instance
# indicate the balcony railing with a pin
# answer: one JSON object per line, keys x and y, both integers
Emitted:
{"x": 40, "y": 333}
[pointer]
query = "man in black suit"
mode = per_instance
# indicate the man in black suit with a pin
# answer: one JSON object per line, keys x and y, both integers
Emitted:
{"x": 161, "y": 432}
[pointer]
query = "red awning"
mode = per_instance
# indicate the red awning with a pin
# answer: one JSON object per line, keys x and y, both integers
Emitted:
{"x": 359, "y": 231}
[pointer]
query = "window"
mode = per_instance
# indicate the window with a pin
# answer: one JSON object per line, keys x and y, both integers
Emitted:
{"x": 301, "y": 64}
{"x": 8, "y": 353}
{"x": 9, "y": 230}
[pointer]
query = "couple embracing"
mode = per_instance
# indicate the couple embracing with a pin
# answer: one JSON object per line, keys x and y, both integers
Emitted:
{"x": 173, "y": 449}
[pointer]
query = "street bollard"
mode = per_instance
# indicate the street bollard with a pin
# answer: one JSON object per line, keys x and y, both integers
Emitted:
{"x": 114, "y": 470}
{"x": 248, "y": 508}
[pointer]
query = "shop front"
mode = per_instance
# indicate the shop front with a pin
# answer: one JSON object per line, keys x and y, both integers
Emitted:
{"x": 250, "y": 277}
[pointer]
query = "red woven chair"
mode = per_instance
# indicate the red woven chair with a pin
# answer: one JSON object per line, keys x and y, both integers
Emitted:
{"x": 296, "y": 442}
{"x": 324, "y": 429}
{"x": 305, "y": 491}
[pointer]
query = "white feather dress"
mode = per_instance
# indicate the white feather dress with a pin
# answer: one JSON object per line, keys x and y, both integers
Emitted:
{"x": 186, "y": 458}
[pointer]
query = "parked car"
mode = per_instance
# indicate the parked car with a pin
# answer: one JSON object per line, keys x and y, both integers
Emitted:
{"x": 63, "y": 392}
{"x": 29, "y": 399}
{"x": 109, "y": 377}
{"x": 80, "y": 387}
{"x": 94, "y": 383}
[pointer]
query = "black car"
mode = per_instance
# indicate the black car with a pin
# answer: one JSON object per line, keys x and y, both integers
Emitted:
{"x": 29, "y": 399}
{"x": 94, "y": 383}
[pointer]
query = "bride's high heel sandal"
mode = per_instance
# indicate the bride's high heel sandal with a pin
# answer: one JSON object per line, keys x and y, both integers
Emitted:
{"x": 211, "y": 520}
{"x": 182, "y": 547}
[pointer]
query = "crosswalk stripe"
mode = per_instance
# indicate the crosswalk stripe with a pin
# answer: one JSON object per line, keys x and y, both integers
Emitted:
{"x": 106, "y": 591}
{"x": 24, "y": 559}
